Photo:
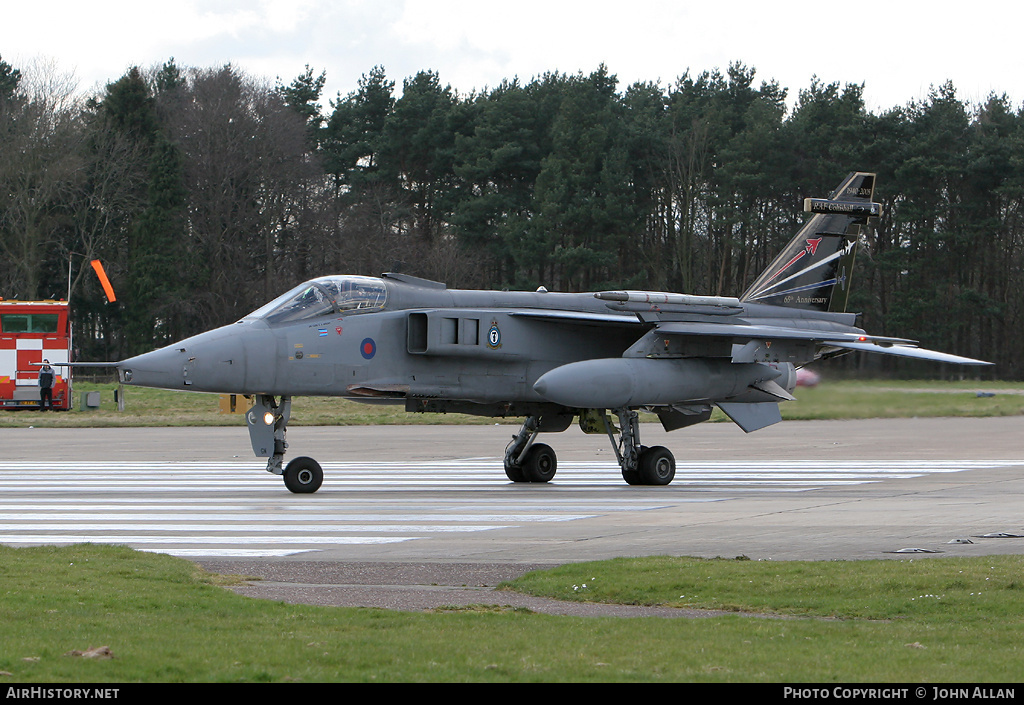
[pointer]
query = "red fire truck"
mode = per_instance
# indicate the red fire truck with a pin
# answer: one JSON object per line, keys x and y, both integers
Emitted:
{"x": 31, "y": 331}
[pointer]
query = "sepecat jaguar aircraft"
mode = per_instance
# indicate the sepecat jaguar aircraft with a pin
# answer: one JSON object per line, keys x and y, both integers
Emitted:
{"x": 549, "y": 357}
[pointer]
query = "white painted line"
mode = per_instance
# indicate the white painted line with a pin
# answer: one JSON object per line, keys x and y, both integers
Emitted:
{"x": 200, "y": 540}
{"x": 115, "y": 525}
{"x": 229, "y": 552}
{"x": 278, "y": 517}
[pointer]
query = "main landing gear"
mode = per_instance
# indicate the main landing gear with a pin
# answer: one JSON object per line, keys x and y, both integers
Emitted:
{"x": 640, "y": 465}
{"x": 268, "y": 422}
{"x": 527, "y": 461}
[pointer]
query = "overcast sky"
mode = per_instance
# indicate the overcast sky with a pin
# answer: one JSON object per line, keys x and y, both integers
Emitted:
{"x": 898, "y": 49}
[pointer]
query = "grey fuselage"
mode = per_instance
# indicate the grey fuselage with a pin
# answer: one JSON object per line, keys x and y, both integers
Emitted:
{"x": 483, "y": 352}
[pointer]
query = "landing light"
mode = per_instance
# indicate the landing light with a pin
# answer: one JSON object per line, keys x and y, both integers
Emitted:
{"x": 268, "y": 418}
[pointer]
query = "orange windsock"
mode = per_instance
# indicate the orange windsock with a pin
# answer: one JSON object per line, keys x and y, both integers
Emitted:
{"x": 107, "y": 289}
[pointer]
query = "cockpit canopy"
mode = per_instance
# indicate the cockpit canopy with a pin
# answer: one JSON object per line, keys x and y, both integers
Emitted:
{"x": 324, "y": 296}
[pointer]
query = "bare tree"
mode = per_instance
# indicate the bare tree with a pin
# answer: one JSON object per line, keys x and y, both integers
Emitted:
{"x": 39, "y": 169}
{"x": 249, "y": 176}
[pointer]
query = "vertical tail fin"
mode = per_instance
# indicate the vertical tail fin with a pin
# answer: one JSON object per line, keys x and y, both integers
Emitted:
{"x": 814, "y": 270}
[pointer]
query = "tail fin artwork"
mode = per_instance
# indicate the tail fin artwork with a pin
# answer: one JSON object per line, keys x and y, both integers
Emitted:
{"x": 814, "y": 270}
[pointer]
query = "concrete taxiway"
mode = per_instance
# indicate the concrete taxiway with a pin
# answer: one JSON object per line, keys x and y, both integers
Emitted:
{"x": 427, "y": 506}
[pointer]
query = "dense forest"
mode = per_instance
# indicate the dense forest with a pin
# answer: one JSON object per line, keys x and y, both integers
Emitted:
{"x": 206, "y": 192}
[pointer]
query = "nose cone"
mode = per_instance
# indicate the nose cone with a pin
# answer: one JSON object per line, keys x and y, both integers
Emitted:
{"x": 163, "y": 368}
{"x": 214, "y": 361}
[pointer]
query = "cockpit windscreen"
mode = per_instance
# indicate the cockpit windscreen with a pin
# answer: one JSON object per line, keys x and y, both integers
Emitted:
{"x": 324, "y": 297}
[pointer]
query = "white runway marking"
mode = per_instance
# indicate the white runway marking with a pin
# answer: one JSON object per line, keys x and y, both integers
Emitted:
{"x": 236, "y": 509}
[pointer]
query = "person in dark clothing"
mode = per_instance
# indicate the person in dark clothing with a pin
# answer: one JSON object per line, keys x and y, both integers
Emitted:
{"x": 46, "y": 379}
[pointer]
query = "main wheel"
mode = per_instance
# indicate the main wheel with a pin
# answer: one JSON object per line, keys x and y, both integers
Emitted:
{"x": 657, "y": 466}
{"x": 539, "y": 464}
{"x": 632, "y": 477}
{"x": 303, "y": 475}
{"x": 514, "y": 473}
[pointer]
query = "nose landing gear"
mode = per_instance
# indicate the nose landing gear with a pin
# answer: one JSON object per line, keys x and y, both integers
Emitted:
{"x": 268, "y": 423}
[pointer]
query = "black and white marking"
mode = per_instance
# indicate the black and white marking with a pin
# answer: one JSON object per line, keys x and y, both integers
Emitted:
{"x": 193, "y": 509}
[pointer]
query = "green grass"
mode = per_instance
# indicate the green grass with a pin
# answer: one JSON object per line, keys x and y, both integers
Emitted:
{"x": 910, "y": 621}
{"x": 894, "y": 399}
{"x": 975, "y": 588}
{"x": 829, "y": 400}
{"x": 161, "y": 407}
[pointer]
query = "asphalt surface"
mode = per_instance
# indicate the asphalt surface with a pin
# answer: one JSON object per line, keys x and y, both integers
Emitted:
{"x": 421, "y": 517}
{"x": 414, "y": 587}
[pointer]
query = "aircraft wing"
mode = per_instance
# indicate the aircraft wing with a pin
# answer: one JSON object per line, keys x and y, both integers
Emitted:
{"x": 846, "y": 340}
{"x": 744, "y": 332}
{"x": 911, "y": 351}
{"x": 900, "y": 347}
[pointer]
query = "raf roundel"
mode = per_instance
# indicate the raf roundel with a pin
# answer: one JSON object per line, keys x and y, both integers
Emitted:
{"x": 368, "y": 348}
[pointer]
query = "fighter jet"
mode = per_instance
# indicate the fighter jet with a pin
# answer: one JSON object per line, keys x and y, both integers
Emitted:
{"x": 550, "y": 357}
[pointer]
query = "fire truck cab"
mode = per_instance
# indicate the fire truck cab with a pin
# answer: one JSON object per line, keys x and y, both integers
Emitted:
{"x": 31, "y": 331}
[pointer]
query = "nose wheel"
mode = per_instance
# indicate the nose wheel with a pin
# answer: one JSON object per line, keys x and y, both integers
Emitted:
{"x": 303, "y": 475}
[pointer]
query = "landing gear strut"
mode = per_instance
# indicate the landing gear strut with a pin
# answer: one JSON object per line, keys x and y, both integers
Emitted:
{"x": 526, "y": 461}
{"x": 268, "y": 423}
{"x": 640, "y": 465}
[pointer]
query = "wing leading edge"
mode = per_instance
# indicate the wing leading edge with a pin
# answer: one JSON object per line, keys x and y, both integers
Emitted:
{"x": 745, "y": 333}
{"x": 909, "y": 351}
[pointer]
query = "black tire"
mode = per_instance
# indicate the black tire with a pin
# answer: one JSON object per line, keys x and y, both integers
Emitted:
{"x": 539, "y": 464}
{"x": 303, "y": 475}
{"x": 514, "y": 473}
{"x": 657, "y": 466}
{"x": 632, "y": 477}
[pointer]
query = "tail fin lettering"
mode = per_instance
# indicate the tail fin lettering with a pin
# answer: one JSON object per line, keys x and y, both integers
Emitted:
{"x": 814, "y": 270}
